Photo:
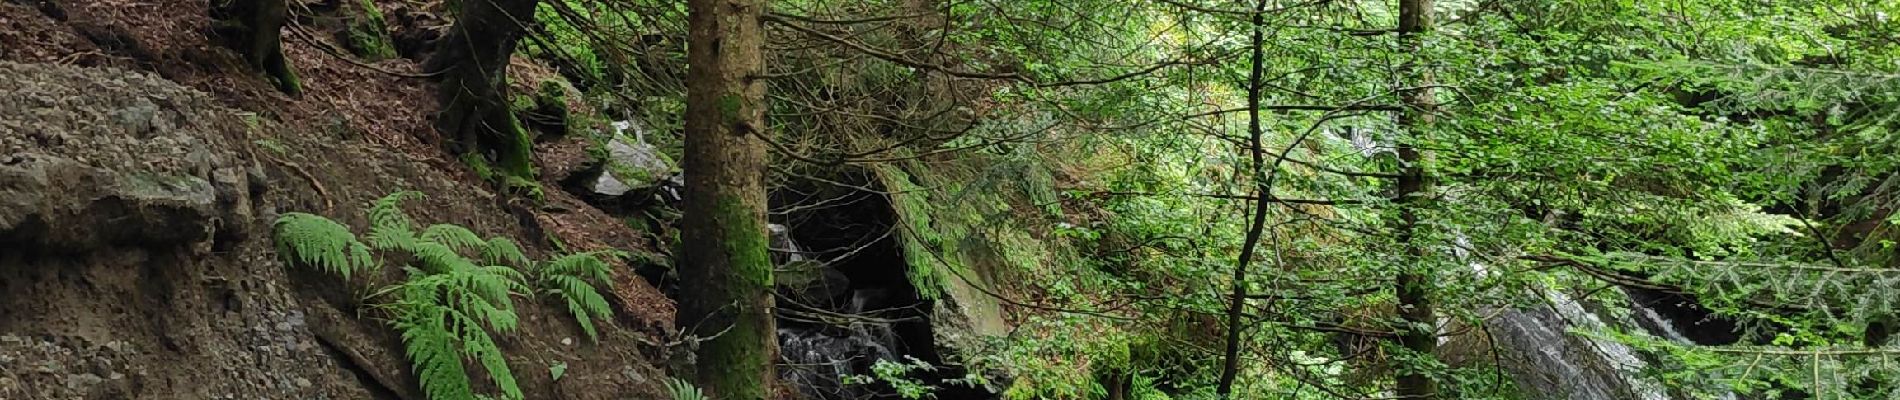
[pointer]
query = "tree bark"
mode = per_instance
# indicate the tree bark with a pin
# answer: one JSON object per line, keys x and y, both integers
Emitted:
{"x": 1263, "y": 189}
{"x": 1419, "y": 334}
{"x": 255, "y": 29}
{"x": 473, "y": 61}
{"x": 727, "y": 274}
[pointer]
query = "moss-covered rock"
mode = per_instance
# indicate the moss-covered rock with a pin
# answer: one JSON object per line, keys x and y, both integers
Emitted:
{"x": 368, "y": 33}
{"x": 544, "y": 107}
{"x": 628, "y": 164}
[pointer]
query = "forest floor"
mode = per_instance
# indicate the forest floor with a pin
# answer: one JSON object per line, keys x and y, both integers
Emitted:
{"x": 117, "y": 90}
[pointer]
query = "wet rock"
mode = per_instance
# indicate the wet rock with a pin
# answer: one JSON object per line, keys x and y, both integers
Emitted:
{"x": 630, "y": 164}
{"x": 804, "y": 280}
{"x": 623, "y": 174}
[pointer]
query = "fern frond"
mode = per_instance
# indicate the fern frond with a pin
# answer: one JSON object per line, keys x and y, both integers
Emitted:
{"x": 393, "y": 238}
{"x": 455, "y": 236}
{"x": 323, "y": 243}
{"x": 440, "y": 258}
{"x": 432, "y": 350}
{"x": 501, "y": 251}
{"x": 517, "y": 282}
{"x": 387, "y": 212}
{"x": 680, "y": 389}
{"x": 477, "y": 344}
{"x": 588, "y": 265}
{"x": 582, "y": 300}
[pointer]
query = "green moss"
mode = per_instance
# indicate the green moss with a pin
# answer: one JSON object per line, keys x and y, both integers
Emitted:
{"x": 285, "y": 77}
{"x": 369, "y": 34}
{"x": 733, "y": 362}
{"x": 516, "y": 150}
{"x": 919, "y": 236}
{"x": 745, "y": 248}
{"x": 729, "y": 107}
{"x": 477, "y": 163}
{"x": 522, "y": 186}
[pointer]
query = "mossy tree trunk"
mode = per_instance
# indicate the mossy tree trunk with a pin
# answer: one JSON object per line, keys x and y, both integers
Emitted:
{"x": 255, "y": 29}
{"x": 1419, "y": 333}
{"x": 726, "y": 272}
{"x": 473, "y": 63}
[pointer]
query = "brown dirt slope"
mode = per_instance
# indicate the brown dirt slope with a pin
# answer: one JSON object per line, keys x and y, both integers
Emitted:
{"x": 140, "y": 170}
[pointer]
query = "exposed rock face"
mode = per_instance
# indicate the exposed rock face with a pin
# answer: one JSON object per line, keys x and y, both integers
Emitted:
{"x": 124, "y": 273}
{"x": 91, "y": 162}
{"x": 136, "y": 260}
{"x": 801, "y": 278}
{"x": 630, "y": 164}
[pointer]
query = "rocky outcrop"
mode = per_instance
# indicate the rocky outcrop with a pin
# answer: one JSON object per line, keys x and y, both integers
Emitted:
{"x": 127, "y": 268}
{"x": 136, "y": 259}
{"x": 92, "y": 163}
{"x": 622, "y": 169}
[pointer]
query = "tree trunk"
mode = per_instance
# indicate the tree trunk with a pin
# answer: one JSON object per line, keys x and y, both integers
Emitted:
{"x": 255, "y": 29}
{"x": 727, "y": 274}
{"x": 1263, "y": 189}
{"x": 473, "y": 61}
{"x": 1419, "y": 334}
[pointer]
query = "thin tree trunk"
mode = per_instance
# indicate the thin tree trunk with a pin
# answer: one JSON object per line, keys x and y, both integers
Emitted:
{"x": 727, "y": 273}
{"x": 255, "y": 29}
{"x": 473, "y": 60}
{"x": 1419, "y": 333}
{"x": 1262, "y": 190}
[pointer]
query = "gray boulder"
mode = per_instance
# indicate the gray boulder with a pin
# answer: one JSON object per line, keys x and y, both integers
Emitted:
{"x": 630, "y": 165}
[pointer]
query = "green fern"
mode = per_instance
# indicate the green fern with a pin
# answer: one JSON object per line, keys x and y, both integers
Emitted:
{"x": 450, "y": 304}
{"x": 447, "y": 317}
{"x": 568, "y": 277}
{"x": 442, "y": 323}
{"x": 459, "y": 291}
{"x": 455, "y": 237}
{"x": 501, "y": 251}
{"x": 680, "y": 389}
{"x": 387, "y": 211}
{"x": 320, "y": 242}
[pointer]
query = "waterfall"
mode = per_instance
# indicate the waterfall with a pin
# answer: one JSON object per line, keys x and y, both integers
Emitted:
{"x": 821, "y": 343}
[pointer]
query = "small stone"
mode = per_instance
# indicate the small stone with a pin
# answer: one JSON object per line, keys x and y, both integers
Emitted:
{"x": 632, "y": 375}
{"x": 302, "y": 383}
{"x": 82, "y": 381}
{"x": 567, "y": 341}
{"x": 283, "y": 326}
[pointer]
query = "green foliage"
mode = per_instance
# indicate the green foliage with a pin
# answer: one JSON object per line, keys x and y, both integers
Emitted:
{"x": 449, "y": 304}
{"x": 369, "y": 34}
{"x": 458, "y": 293}
{"x": 572, "y": 277}
{"x": 322, "y": 243}
{"x": 680, "y": 389}
{"x": 897, "y": 375}
{"x": 445, "y": 317}
{"x": 1740, "y": 151}
{"x": 556, "y": 371}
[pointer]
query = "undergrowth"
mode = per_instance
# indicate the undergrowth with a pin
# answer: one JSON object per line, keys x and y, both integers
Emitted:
{"x": 458, "y": 290}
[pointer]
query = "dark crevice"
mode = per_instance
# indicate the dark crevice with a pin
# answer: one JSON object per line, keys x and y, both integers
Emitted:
{"x": 847, "y": 233}
{"x": 376, "y": 388}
